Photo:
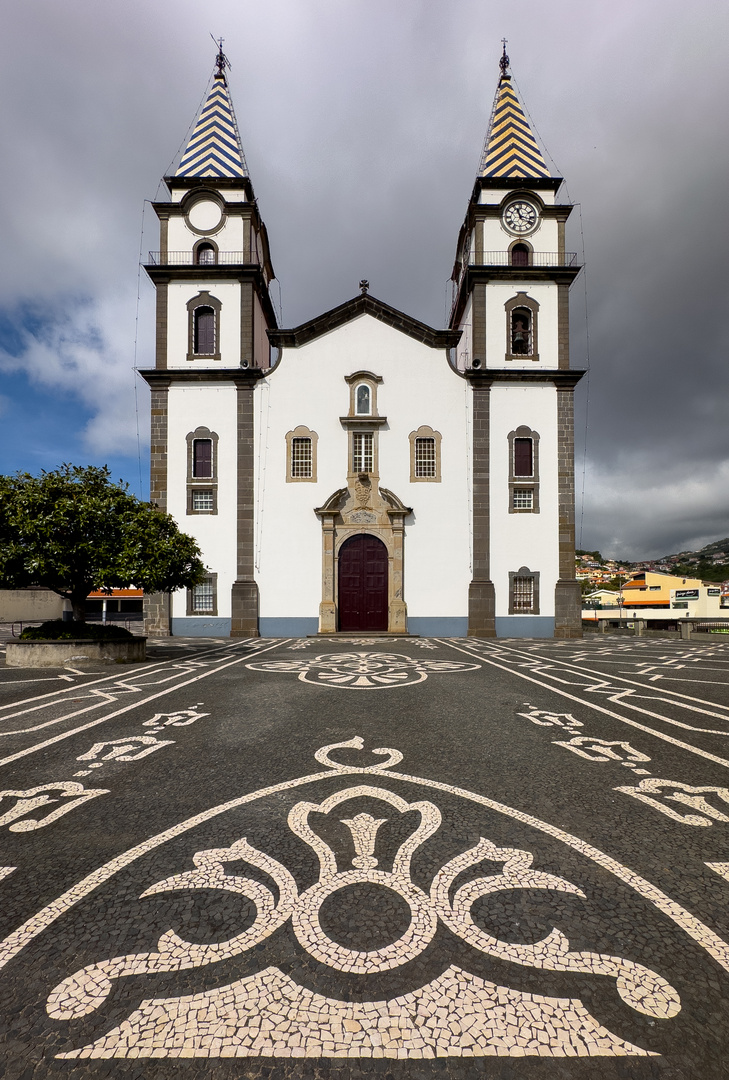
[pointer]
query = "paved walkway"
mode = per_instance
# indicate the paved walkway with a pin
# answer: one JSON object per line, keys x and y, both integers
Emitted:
{"x": 312, "y": 858}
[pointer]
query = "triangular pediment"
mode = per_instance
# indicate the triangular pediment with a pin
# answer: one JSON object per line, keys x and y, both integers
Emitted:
{"x": 364, "y": 304}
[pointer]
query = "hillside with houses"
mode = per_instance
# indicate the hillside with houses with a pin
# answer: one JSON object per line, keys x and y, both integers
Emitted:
{"x": 709, "y": 563}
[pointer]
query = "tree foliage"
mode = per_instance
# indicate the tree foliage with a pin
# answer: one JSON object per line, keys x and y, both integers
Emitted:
{"x": 74, "y": 531}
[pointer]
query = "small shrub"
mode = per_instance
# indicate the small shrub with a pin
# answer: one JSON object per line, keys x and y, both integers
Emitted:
{"x": 58, "y": 630}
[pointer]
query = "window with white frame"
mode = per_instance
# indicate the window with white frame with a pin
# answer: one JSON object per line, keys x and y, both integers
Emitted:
{"x": 523, "y": 498}
{"x": 425, "y": 454}
{"x": 425, "y": 458}
{"x": 362, "y": 452}
{"x": 202, "y": 599}
{"x": 203, "y": 501}
{"x": 301, "y": 458}
{"x": 301, "y": 455}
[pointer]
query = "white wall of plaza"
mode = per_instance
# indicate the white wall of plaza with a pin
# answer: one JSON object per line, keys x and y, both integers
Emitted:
{"x": 524, "y": 539}
{"x": 419, "y": 388}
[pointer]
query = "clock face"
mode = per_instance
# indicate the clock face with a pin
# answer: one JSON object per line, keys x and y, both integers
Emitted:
{"x": 520, "y": 217}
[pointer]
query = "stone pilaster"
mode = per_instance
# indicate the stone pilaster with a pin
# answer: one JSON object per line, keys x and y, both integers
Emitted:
{"x": 567, "y": 606}
{"x": 481, "y": 595}
{"x": 244, "y": 594}
{"x": 161, "y": 325}
{"x": 246, "y": 324}
{"x": 157, "y": 606}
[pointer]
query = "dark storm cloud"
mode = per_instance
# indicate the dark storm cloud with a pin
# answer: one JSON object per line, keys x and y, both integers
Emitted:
{"x": 362, "y": 126}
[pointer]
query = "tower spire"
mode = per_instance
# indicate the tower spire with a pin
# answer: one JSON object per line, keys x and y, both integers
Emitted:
{"x": 215, "y": 147}
{"x": 510, "y": 149}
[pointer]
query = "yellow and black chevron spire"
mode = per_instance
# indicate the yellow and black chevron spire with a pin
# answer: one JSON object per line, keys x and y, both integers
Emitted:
{"x": 510, "y": 149}
{"x": 215, "y": 148}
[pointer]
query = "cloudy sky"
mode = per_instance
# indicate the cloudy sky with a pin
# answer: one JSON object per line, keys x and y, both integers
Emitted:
{"x": 362, "y": 125}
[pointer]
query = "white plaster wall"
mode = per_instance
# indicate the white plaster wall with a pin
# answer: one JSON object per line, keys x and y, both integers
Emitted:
{"x": 178, "y": 294}
{"x": 213, "y": 407}
{"x": 497, "y": 295}
{"x": 497, "y": 238}
{"x": 496, "y": 195}
{"x": 464, "y": 353}
{"x": 308, "y": 388}
{"x": 524, "y": 539}
{"x": 180, "y": 237}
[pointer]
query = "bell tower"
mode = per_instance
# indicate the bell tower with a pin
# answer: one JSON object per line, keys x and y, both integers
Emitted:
{"x": 213, "y": 310}
{"x": 511, "y": 283}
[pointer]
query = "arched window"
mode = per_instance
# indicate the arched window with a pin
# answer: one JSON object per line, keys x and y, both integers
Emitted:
{"x": 521, "y": 332}
{"x": 424, "y": 454}
{"x": 203, "y": 340}
{"x": 205, "y": 255}
{"x": 204, "y": 331}
{"x": 520, "y": 255}
{"x": 301, "y": 455}
{"x": 522, "y": 314}
{"x": 363, "y": 400}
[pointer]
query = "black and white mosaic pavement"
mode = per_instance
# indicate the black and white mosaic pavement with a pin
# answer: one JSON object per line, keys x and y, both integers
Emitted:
{"x": 370, "y": 857}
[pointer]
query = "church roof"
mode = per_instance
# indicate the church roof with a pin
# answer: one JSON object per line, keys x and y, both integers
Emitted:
{"x": 364, "y": 304}
{"x": 215, "y": 148}
{"x": 510, "y": 150}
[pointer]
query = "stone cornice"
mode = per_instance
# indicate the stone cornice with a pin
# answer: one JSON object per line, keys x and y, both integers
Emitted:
{"x": 483, "y": 378}
{"x": 161, "y": 378}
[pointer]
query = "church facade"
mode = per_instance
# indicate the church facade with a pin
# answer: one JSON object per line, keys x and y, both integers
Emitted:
{"x": 364, "y": 472}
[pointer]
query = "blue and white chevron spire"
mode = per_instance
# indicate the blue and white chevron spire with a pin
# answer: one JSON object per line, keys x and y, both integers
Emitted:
{"x": 215, "y": 148}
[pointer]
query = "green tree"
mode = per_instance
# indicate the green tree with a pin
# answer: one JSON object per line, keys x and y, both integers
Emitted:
{"x": 74, "y": 531}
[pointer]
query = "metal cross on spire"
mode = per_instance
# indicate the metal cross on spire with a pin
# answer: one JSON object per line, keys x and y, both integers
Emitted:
{"x": 504, "y": 61}
{"x": 221, "y": 59}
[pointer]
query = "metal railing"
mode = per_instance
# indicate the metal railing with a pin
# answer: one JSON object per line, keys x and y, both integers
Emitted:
{"x": 187, "y": 258}
{"x": 536, "y": 258}
{"x": 506, "y": 258}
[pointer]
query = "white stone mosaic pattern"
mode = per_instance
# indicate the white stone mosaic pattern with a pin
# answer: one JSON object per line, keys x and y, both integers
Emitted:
{"x": 269, "y": 1015}
{"x": 423, "y": 917}
{"x": 638, "y": 986}
{"x": 363, "y": 670}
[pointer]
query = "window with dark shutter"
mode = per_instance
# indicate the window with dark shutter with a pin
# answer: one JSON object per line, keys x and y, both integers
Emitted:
{"x": 520, "y": 255}
{"x": 202, "y": 458}
{"x": 523, "y": 457}
{"x": 204, "y": 331}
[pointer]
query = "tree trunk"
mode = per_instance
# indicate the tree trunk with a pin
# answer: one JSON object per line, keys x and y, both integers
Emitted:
{"x": 78, "y": 603}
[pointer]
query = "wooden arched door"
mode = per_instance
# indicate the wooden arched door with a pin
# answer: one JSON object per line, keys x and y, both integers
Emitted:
{"x": 363, "y": 584}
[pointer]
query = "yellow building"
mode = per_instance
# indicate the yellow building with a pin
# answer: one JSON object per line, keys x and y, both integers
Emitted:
{"x": 651, "y": 590}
